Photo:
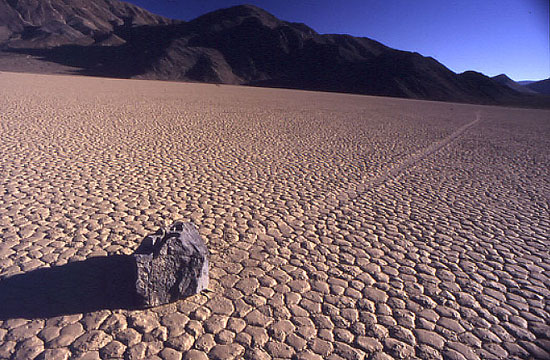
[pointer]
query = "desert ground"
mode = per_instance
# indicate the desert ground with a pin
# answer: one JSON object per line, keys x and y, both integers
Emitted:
{"x": 339, "y": 226}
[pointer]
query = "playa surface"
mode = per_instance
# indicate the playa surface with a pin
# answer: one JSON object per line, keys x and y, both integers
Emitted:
{"x": 339, "y": 226}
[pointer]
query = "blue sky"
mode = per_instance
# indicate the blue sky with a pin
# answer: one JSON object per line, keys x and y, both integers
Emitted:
{"x": 489, "y": 36}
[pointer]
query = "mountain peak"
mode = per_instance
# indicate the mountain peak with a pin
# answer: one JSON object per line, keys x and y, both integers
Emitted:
{"x": 244, "y": 10}
{"x": 235, "y": 15}
{"x": 502, "y": 77}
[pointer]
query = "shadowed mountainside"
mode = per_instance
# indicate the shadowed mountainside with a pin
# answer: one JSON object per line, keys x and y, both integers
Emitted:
{"x": 542, "y": 86}
{"x": 506, "y": 81}
{"x": 239, "y": 45}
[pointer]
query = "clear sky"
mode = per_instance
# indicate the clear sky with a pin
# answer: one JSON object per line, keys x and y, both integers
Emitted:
{"x": 489, "y": 36}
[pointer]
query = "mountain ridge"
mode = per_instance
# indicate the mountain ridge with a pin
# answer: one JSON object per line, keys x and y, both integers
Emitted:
{"x": 244, "y": 45}
{"x": 503, "y": 79}
{"x": 38, "y": 24}
{"x": 542, "y": 86}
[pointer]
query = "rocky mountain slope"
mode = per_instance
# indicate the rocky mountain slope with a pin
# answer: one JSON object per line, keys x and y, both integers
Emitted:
{"x": 238, "y": 45}
{"x": 506, "y": 81}
{"x": 50, "y": 23}
{"x": 542, "y": 86}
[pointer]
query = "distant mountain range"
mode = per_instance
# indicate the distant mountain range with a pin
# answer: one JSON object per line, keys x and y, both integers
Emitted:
{"x": 506, "y": 81}
{"x": 526, "y": 87}
{"x": 542, "y": 86}
{"x": 239, "y": 45}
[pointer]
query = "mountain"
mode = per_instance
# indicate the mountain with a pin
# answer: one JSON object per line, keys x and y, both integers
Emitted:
{"x": 239, "y": 45}
{"x": 506, "y": 81}
{"x": 542, "y": 86}
{"x": 51, "y": 23}
{"x": 247, "y": 45}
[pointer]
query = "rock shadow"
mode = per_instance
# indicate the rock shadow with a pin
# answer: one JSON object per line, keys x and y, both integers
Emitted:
{"x": 98, "y": 283}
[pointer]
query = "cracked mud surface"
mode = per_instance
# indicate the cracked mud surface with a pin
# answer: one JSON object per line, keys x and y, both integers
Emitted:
{"x": 444, "y": 256}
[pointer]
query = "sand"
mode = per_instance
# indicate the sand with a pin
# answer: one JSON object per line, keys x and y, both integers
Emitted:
{"x": 339, "y": 226}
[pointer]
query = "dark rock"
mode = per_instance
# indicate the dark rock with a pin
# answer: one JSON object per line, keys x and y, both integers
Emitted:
{"x": 171, "y": 265}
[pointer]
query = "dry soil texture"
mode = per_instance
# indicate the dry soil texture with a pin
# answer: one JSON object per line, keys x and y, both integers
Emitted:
{"x": 339, "y": 226}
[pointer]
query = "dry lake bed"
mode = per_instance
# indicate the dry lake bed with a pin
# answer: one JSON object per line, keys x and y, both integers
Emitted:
{"x": 339, "y": 226}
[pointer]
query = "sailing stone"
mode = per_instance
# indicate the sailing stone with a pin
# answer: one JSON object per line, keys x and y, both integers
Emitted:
{"x": 171, "y": 264}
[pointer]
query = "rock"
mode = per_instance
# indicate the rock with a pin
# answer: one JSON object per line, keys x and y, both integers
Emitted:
{"x": 171, "y": 265}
